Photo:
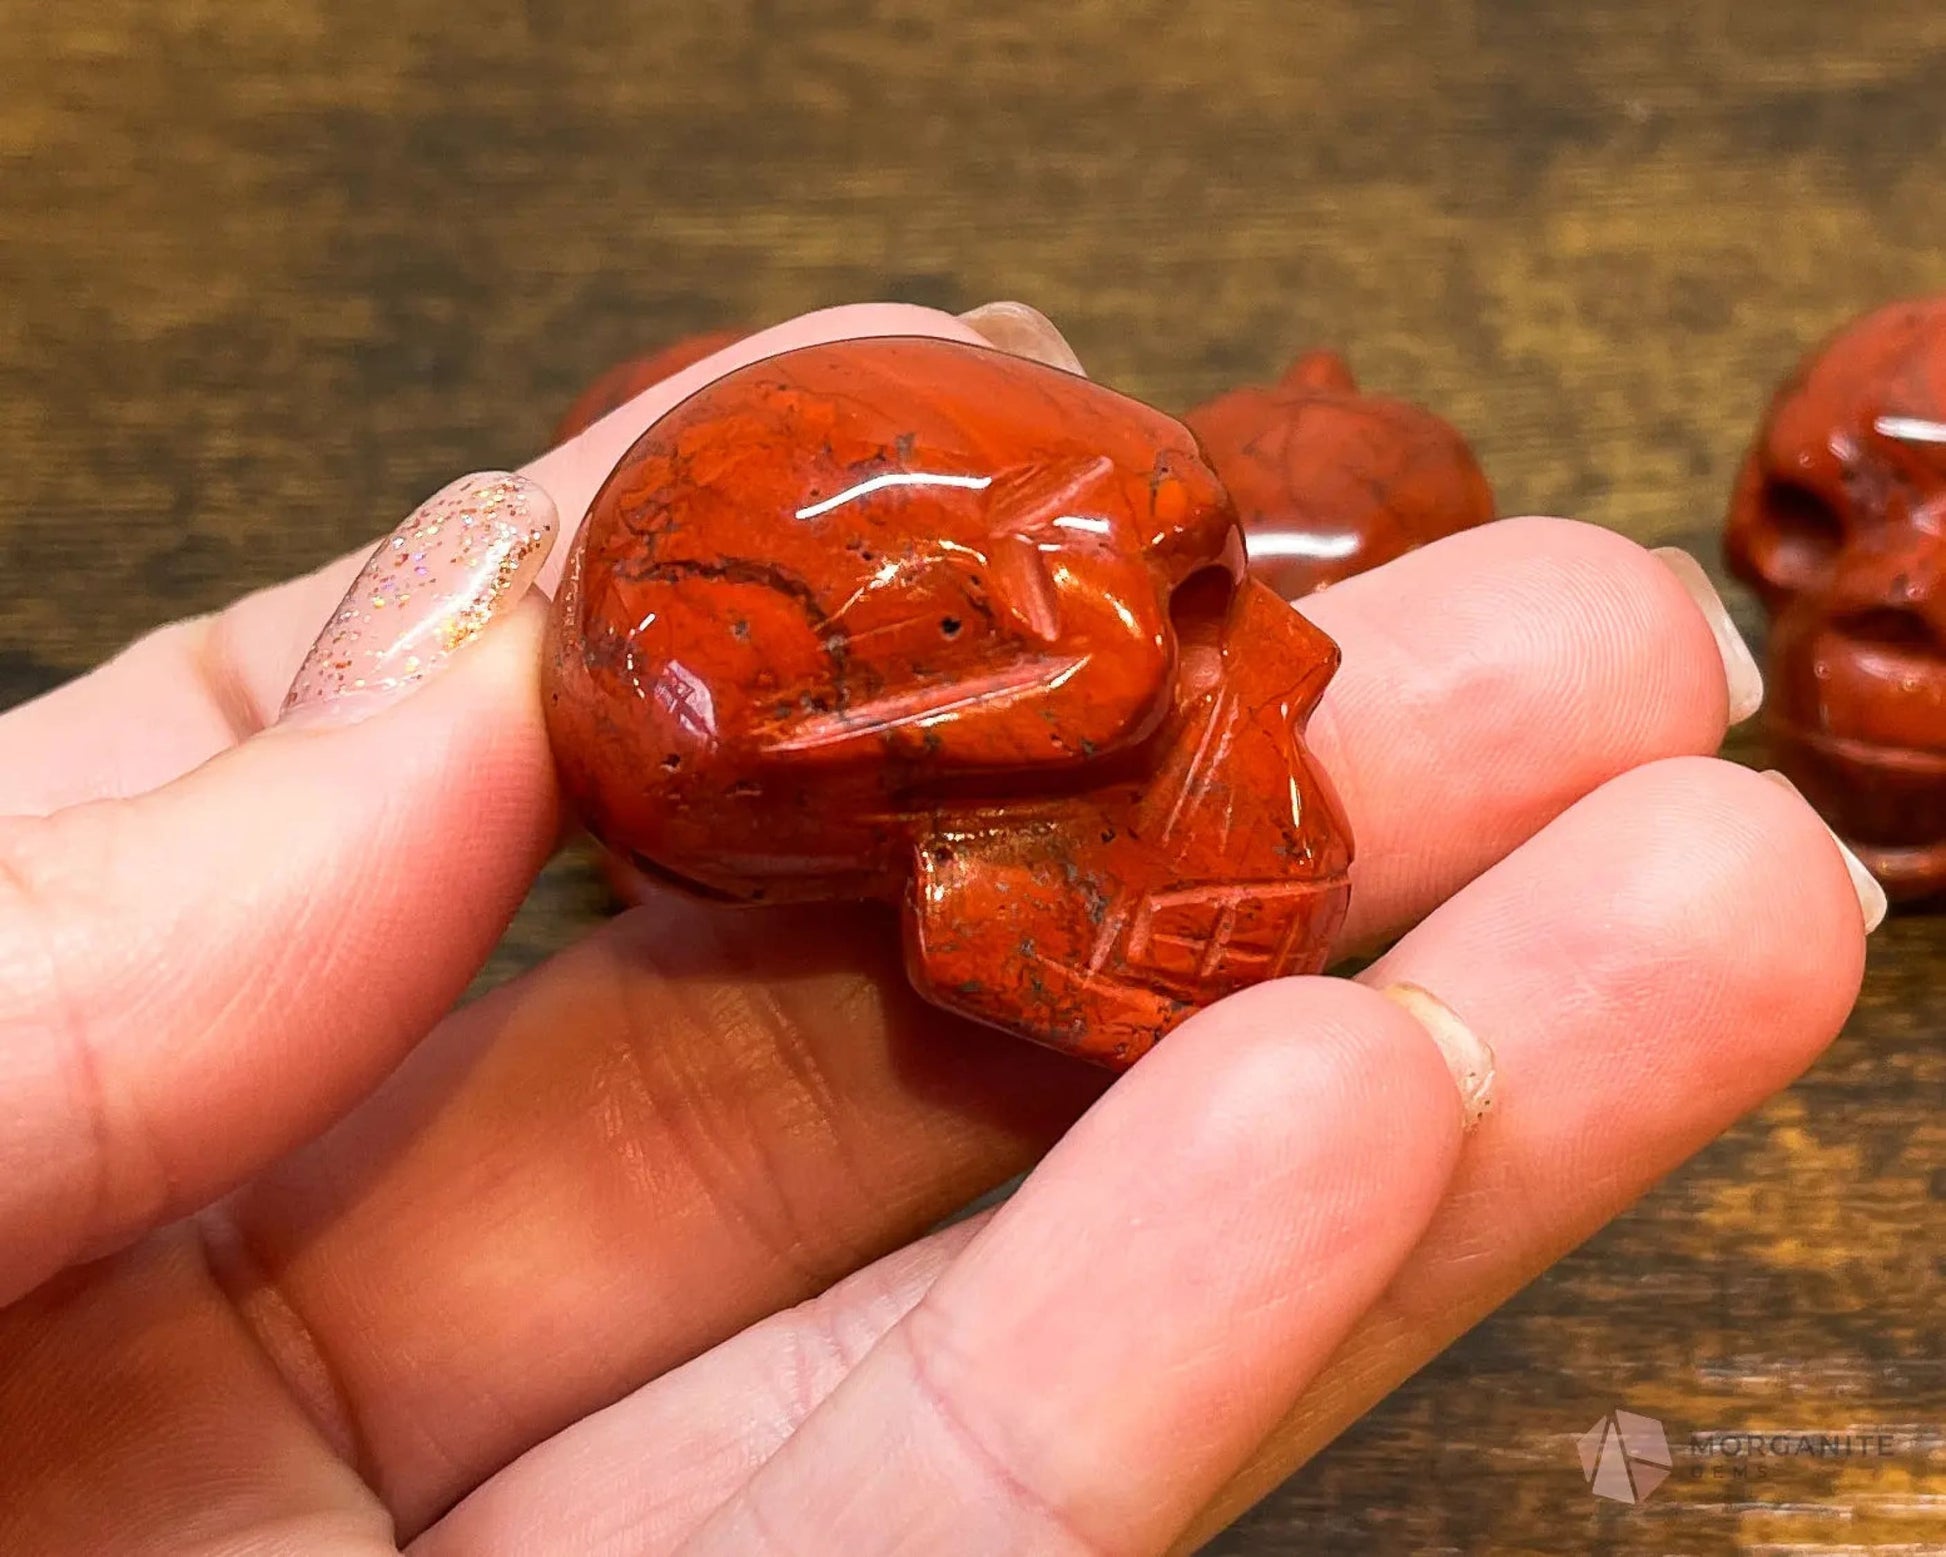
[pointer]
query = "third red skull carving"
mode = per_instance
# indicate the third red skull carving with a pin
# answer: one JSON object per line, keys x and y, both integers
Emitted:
{"x": 1839, "y": 523}
{"x": 915, "y": 620}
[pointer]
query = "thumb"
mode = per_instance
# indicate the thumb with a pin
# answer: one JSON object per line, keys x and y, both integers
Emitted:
{"x": 194, "y": 980}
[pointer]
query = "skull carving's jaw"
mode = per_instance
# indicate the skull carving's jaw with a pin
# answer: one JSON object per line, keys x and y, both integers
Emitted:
{"x": 1839, "y": 524}
{"x": 919, "y": 621}
{"x": 1096, "y": 922}
{"x": 1857, "y": 719}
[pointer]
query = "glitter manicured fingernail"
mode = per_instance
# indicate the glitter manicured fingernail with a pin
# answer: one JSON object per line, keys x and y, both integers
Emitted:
{"x": 464, "y": 557}
{"x": 1746, "y": 682}
{"x": 1465, "y": 1052}
{"x": 1026, "y": 332}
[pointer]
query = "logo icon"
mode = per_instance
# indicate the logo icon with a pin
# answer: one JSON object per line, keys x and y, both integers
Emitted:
{"x": 1625, "y": 1457}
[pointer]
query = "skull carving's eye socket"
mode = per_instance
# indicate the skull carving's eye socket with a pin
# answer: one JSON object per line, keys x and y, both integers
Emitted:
{"x": 1806, "y": 533}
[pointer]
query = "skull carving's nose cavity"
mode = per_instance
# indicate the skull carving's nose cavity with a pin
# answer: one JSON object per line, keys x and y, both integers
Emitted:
{"x": 1892, "y": 627}
{"x": 1806, "y": 532}
{"x": 1196, "y": 611}
{"x": 1199, "y": 604}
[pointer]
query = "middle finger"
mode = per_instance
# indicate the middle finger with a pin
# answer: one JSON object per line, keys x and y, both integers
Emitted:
{"x": 694, "y": 1119}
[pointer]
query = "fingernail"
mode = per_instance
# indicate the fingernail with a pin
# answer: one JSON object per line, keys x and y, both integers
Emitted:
{"x": 1871, "y": 896}
{"x": 1739, "y": 664}
{"x": 1026, "y": 332}
{"x": 463, "y": 557}
{"x": 1466, "y": 1053}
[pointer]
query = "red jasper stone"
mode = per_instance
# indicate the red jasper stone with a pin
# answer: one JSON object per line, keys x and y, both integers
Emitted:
{"x": 1329, "y": 481}
{"x": 913, "y": 620}
{"x": 625, "y": 380}
{"x": 1838, "y": 521}
{"x": 613, "y": 390}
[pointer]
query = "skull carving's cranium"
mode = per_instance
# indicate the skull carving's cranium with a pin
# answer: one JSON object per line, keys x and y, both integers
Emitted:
{"x": 919, "y": 621}
{"x": 1839, "y": 524}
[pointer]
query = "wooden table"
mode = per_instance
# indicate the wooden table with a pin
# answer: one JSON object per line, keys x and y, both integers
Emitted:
{"x": 268, "y": 273}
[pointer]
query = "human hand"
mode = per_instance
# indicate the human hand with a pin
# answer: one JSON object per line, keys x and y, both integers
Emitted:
{"x": 300, "y": 1259}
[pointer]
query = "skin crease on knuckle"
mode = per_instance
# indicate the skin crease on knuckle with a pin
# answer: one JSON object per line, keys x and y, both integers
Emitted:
{"x": 44, "y": 1058}
{"x": 89, "y": 1167}
{"x": 678, "y": 1025}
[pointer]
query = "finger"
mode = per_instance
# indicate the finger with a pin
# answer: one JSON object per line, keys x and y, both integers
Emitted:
{"x": 1219, "y": 1220}
{"x": 136, "y": 1418}
{"x": 609, "y": 1167}
{"x": 189, "y": 690}
{"x": 697, "y": 1119}
{"x": 1491, "y": 680}
{"x": 643, "y": 1474}
{"x": 194, "y": 980}
{"x": 1713, "y": 948}
{"x": 1657, "y": 962}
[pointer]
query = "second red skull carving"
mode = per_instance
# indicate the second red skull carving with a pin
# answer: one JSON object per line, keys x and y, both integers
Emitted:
{"x": 625, "y": 380}
{"x": 1330, "y": 481}
{"x": 1839, "y": 524}
{"x": 913, "y": 620}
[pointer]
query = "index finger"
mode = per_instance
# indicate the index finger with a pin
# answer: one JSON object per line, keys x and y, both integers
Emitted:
{"x": 185, "y": 692}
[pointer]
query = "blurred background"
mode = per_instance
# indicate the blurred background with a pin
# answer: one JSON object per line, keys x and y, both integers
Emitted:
{"x": 271, "y": 270}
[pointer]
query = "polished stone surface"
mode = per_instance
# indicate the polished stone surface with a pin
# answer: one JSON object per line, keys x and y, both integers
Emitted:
{"x": 924, "y": 622}
{"x": 1330, "y": 481}
{"x": 1838, "y": 521}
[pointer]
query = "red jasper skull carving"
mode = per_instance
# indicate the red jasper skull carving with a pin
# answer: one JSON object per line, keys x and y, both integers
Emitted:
{"x": 919, "y": 621}
{"x": 1330, "y": 481}
{"x": 1839, "y": 523}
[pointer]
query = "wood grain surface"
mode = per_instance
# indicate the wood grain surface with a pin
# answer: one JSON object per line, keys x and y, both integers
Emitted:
{"x": 271, "y": 272}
